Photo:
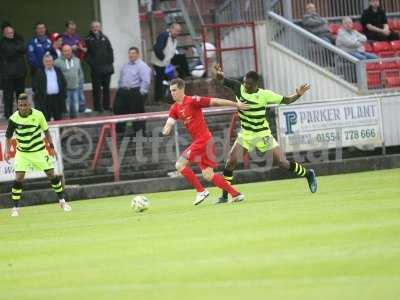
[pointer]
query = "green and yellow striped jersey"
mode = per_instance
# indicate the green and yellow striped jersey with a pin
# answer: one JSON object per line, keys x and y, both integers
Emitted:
{"x": 28, "y": 130}
{"x": 253, "y": 121}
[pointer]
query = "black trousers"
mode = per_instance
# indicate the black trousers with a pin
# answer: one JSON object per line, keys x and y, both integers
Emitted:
{"x": 380, "y": 37}
{"x": 101, "y": 87}
{"x": 159, "y": 88}
{"x": 129, "y": 101}
{"x": 53, "y": 106}
{"x": 10, "y": 87}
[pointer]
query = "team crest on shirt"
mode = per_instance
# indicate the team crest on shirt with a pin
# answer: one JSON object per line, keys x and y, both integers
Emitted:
{"x": 184, "y": 116}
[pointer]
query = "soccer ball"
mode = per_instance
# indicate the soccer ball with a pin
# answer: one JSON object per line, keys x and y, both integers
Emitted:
{"x": 140, "y": 203}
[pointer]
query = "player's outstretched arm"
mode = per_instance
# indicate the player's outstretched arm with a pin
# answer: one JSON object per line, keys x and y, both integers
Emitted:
{"x": 228, "y": 103}
{"x": 168, "y": 126}
{"x": 300, "y": 91}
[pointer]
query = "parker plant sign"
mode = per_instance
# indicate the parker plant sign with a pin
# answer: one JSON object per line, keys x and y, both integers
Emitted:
{"x": 330, "y": 125}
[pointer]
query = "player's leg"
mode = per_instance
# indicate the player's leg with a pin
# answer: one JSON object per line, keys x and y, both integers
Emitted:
{"x": 58, "y": 188}
{"x": 295, "y": 168}
{"x": 16, "y": 192}
{"x": 182, "y": 166}
{"x": 235, "y": 153}
{"x": 219, "y": 181}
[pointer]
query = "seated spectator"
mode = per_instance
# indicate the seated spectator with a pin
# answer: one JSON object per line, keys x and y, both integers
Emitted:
{"x": 56, "y": 43}
{"x": 100, "y": 57}
{"x": 165, "y": 53}
{"x": 133, "y": 86}
{"x": 12, "y": 67}
{"x": 375, "y": 23}
{"x": 37, "y": 47}
{"x": 50, "y": 89}
{"x": 315, "y": 24}
{"x": 72, "y": 38}
{"x": 351, "y": 41}
{"x": 70, "y": 66}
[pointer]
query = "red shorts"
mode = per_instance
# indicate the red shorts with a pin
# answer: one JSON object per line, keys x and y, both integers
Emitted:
{"x": 201, "y": 152}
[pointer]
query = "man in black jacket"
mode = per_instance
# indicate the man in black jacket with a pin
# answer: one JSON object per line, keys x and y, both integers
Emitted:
{"x": 50, "y": 89}
{"x": 100, "y": 57}
{"x": 12, "y": 67}
{"x": 375, "y": 23}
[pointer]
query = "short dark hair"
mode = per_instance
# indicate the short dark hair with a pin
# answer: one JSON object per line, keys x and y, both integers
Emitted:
{"x": 134, "y": 48}
{"x": 253, "y": 76}
{"x": 39, "y": 23}
{"x": 69, "y": 22}
{"x": 180, "y": 83}
{"x": 23, "y": 96}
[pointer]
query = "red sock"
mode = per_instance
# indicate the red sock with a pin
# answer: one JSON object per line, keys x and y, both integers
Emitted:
{"x": 193, "y": 180}
{"x": 220, "y": 182}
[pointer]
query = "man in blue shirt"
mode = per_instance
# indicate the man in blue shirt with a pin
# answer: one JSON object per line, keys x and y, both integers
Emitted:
{"x": 133, "y": 86}
{"x": 37, "y": 47}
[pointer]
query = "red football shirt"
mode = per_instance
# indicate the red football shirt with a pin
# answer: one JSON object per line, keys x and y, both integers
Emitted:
{"x": 192, "y": 116}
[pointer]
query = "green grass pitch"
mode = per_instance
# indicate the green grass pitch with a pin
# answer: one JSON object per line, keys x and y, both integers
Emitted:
{"x": 281, "y": 243}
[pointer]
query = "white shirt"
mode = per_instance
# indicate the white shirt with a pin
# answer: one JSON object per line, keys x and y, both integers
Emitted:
{"x": 52, "y": 83}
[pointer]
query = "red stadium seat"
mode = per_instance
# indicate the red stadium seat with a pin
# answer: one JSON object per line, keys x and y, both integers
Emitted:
{"x": 392, "y": 81}
{"x": 368, "y": 47}
{"x": 358, "y": 27}
{"x": 334, "y": 28}
{"x": 373, "y": 66}
{"x": 374, "y": 80}
{"x": 383, "y": 49}
{"x": 388, "y": 65}
{"x": 396, "y": 46}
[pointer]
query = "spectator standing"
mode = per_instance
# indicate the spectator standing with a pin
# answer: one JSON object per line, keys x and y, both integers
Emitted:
{"x": 70, "y": 66}
{"x": 133, "y": 86}
{"x": 314, "y": 23}
{"x": 37, "y": 47}
{"x": 163, "y": 51}
{"x": 100, "y": 57}
{"x": 50, "y": 89}
{"x": 72, "y": 38}
{"x": 351, "y": 41}
{"x": 375, "y": 23}
{"x": 12, "y": 67}
{"x": 56, "y": 44}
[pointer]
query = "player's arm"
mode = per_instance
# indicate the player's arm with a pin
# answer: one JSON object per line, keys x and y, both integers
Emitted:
{"x": 232, "y": 84}
{"x": 169, "y": 125}
{"x": 49, "y": 141}
{"x": 223, "y": 102}
{"x": 9, "y": 133}
{"x": 300, "y": 91}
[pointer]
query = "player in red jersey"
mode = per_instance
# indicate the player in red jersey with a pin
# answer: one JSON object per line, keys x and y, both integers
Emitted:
{"x": 201, "y": 151}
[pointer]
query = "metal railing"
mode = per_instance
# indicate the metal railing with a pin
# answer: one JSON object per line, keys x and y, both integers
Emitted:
{"x": 254, "y": 10}
{"x": 314, "y": 49}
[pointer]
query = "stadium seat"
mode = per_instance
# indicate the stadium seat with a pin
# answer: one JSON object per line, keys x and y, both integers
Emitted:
{"x": 373, "y": 66}
{"x": 383, "y": 49}
{"x": 368, "y": 47}
{"x": 388, "y": 65}
{"x": 358, "y": 27}
{"x": 395, "y": 47}
{"x": 392, "y": 81}
{"x": 374, "y": 80}
{"x": 334, "y": 28}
